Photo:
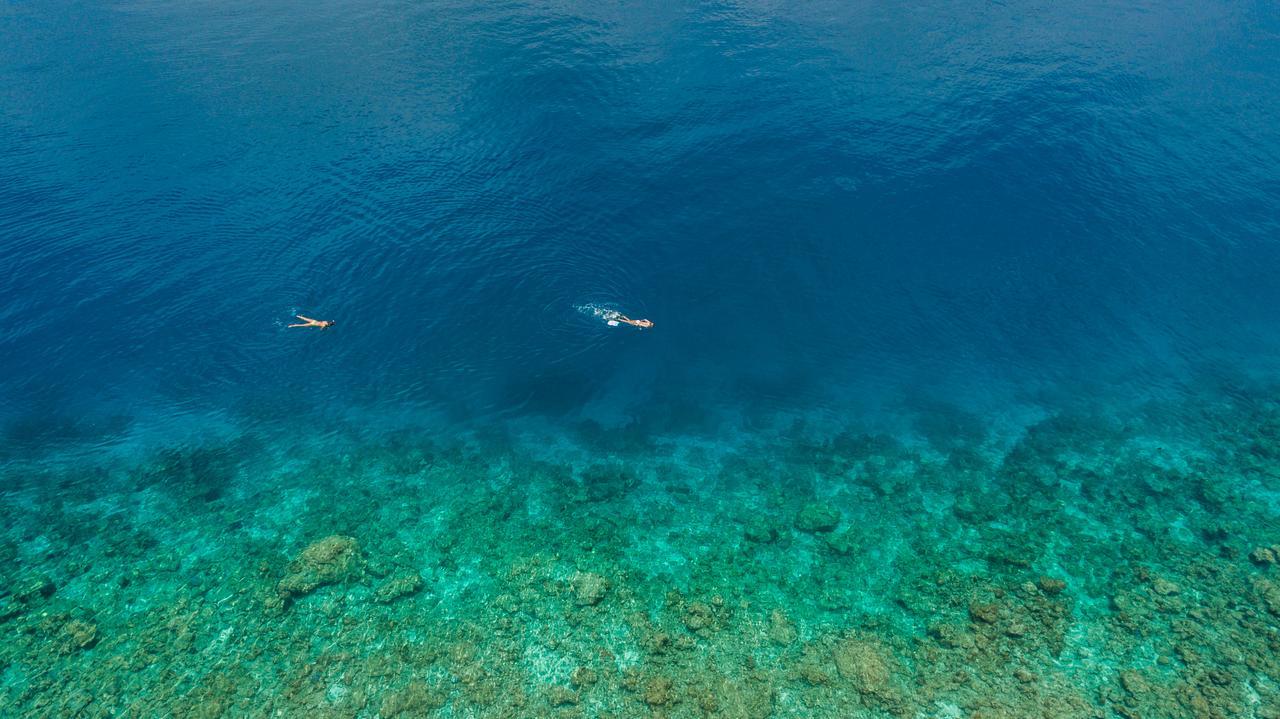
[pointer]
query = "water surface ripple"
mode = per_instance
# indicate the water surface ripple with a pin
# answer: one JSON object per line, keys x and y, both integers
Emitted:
{"x": 822, "y": 207}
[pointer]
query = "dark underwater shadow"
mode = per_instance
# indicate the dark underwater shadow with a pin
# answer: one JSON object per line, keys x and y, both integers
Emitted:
{"x": 38, "y": 433}
{"x": 555, "y": 392}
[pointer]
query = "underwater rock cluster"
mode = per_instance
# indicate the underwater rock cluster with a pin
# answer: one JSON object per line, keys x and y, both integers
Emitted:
{"x": 325, "y": 561}
{"x": 1088, "y": 567}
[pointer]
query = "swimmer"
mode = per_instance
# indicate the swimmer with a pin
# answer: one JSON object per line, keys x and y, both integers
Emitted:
{"x": 308, "y": 322}
{"x": 613, "y": 318}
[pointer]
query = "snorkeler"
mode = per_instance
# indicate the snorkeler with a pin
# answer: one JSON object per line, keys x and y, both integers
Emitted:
{"x": 613, "y": 318}
{"x": 308, "y": 322}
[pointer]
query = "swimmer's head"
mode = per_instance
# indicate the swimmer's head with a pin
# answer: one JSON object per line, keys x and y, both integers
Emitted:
{"x": 644, "y": 323}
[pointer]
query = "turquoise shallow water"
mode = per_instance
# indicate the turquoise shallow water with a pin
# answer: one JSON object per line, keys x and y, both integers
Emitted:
{"x": 960, "y": 400}
{"x": 1097, "y": 565}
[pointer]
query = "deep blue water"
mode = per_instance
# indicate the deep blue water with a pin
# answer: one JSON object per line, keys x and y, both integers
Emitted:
{"x": 828, "y": 208}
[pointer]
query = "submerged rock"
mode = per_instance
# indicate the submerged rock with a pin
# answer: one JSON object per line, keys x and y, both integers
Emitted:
{"x": 401, "y": 585}
{"x": 327, "y": 561}
{"x": 984, "y": 612}
{"x": 697, "y": 615}
{"x": 32, "y": 588}
{"x": 1051, "y": 586}
{"x": 817, "y": 517}
{"x": 951, "y": 636}
{"x": 583, "y": 676}
{"x": 66, "y": 633}
{"x": 1269, "y": 592}
{"x": 561, "y": 696}
{"x": 781, "y": 630}
{"x": 759, "y": 531}
{"x": 657, "y": 691}
{"x": 77, "y": 634}
{"x": 1264, "y": 555}
{"x": 751, "y": 698}
{"x": 416, "y": 699}
{"x": 843, "y": 543}
{"x": 864, "y": 664}
{"x": 589, "y": 588}
{"x": 605, "y": 482}
{"x": 9, "y": 608}
{"x": 1024, "y": 676}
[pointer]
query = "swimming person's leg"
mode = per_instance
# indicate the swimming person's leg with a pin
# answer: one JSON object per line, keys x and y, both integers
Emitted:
{"x": 610, "y": 316}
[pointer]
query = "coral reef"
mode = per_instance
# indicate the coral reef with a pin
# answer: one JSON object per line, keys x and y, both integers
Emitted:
{"x": 1089, "y": 566}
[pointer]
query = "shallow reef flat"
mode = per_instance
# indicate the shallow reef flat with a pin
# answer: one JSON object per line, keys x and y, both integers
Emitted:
{"x": 1096, "y": 565}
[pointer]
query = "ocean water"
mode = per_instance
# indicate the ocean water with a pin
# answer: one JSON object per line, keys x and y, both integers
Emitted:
{"x": 960, "y": 397}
